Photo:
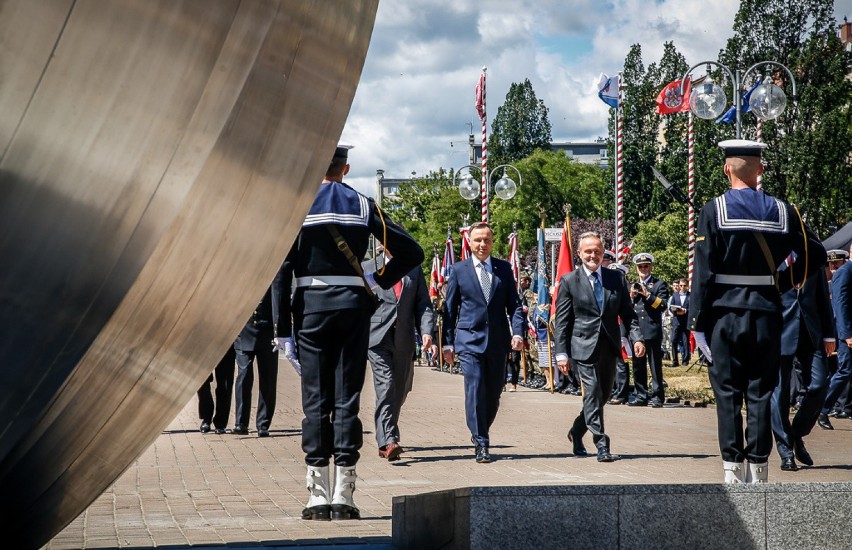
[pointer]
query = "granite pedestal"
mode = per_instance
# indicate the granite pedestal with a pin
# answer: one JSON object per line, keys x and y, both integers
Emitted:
{"x": 772, "y": 516}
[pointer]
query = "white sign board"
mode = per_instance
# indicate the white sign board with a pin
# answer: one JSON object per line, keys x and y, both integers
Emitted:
{"x": 553, "y": 234}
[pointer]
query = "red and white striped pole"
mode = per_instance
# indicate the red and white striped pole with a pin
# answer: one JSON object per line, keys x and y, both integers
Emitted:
{"x": 760, "y": 139}
{"x": 691, "y": 192}
{"x": 484, "y": 119}
{"x": 619, "y": 174}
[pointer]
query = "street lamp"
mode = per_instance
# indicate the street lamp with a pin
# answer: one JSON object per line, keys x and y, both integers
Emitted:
{"x": 707, "y": 100}
{"x": 469, "y": 188}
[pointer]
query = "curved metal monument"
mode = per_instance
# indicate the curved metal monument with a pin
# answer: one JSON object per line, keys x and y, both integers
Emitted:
{"x": 158, "y": 158}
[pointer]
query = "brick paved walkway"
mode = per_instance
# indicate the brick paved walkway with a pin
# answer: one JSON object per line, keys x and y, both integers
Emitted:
{"x": 205, "y": 489}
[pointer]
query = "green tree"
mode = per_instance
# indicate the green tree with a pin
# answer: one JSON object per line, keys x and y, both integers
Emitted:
{"x": 808, "y": 162}
{"x": 664, "y": 237}
{"x": 520, "y": 127}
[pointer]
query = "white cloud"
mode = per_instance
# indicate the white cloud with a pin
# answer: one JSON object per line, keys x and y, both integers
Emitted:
{"x": 417, "y": 91}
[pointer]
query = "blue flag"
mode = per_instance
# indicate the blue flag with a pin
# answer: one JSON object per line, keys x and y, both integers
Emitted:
{"x": 730, "y": 115}
{"x": 608, "y": 90}
{"x": 541, "y": 286}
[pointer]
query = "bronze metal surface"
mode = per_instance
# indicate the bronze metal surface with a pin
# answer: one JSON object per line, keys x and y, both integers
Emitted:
{"x": 158, "y": 158}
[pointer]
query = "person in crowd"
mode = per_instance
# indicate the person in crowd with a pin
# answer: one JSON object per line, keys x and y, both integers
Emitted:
{"x": 650, "y": 298}
{"x": 483, "y": 319}
{"x": 216, "y": 411}
{"x": 589, "y": 304}
{"x": 841, "y": 302}
{"x": 742, "y": 238}
{"x": 808, "y": 335}
{"x": 621, "y": 389}
{"x": 678, "y": 307}
{"x": 404, "y": 311}
{"x": 513, "y": 360}
{"x": 330, "y": 309}
{"x": 255, "y": 344}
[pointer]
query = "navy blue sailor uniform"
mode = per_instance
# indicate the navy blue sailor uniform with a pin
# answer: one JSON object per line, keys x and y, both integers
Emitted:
{"x": 736, "y": 302}
{"x": 331, "y": 312}
{"x": 649, "y": 311}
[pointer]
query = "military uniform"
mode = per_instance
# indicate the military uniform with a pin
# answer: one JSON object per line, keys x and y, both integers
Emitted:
{"x": 650, "y": 311}
{"x": 331, "y": 315}
{"x": 736, "y": 303}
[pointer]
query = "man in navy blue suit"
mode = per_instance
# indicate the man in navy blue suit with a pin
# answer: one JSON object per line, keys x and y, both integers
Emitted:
{"x": 481, "y": 299}
{"x": 841, "y": 302}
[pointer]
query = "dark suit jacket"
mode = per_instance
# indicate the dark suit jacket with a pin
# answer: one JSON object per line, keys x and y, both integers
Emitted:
{"x": 650, "y": 310}
{"x": 260, "y": 328}
{"x": 841, "y": 300}
{"x": 472, "y": 324}
{"x": 579, "y": 322}
{"x": 411, "y": 314}
{"x": 811, "y": 306}
{"x": 678, "y": 320}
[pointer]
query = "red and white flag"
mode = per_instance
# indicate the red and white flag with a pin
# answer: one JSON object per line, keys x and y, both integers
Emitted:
{"x": 480, "y": 96}
{"x": 514, "y": 260}
{"x": 434, "y": 277}
{"x": 465, "y": 243}
{"x": 670, "y": 100}
{"x": 449, "y": 259}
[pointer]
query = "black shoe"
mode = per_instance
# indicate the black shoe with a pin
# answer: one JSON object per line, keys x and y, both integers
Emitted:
{"x": 239, "y": 430}
{"x": 604, "y": 456}
{"x": 636, "y": 402}
{"x": 577, "y": 443}
{"x": 482, "y": 455}
{"x": 656, "y": 402}
{"x": 841, "y": 414}
{"x": 788, "y": 464}
{"x": 219, "y": 431}
{"x": 617, "y": 401}
{"x": 824, "y": 422}
{"x": 802, "y": 454}
{"x": 262, "y": 433}
{"x": 205, "y": 427}
{"x": 317, "y": 513}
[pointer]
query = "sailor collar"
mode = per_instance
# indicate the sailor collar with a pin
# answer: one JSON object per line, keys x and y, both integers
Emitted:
{"x": 747, "y": 209}
{"x": 339, "y": 204}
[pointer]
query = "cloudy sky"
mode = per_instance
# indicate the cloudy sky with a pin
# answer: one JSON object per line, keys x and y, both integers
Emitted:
{"x": 415, "y": 101}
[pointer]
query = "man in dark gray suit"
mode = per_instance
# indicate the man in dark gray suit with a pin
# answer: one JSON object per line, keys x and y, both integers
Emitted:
{"x": 404, "y": 311}
{"x": 588, "y": 304}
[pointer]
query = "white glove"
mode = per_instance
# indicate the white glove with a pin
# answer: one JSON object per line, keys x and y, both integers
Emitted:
{"x": 289, "y": 348}
{"x": 701, "y": 342}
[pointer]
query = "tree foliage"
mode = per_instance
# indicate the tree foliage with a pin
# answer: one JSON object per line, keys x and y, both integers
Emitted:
{"x": 520, "y": 127}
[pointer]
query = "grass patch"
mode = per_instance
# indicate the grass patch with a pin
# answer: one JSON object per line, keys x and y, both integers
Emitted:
{"x": 693, "y": 385}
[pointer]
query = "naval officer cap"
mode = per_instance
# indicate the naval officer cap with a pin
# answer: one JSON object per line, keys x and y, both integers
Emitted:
{"x": 643, "y": 258}
{"x": 742, "y": 148}
{"x": 342, "y": 151}
{"x": 619, "y": 267}
{"x": 837, "y": 255}
{"x": 609, "y": 255}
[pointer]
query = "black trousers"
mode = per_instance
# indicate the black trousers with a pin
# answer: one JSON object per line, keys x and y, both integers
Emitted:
{"x": 596, "y": 377}
{"x": 267, "y": 381}
{"x": 654, "y": 359}
{"x": 746, "y": 348}
{"x": 333, "y": 352}
{"x": 218, "y": 412}
{"x": 680, "y": 343}
{"x": 622, "y": 378}
{"x": 814, "y": 378}
{"x": 513, "y": 366}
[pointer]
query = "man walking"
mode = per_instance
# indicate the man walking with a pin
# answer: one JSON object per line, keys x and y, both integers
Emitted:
{"x": 404, "y": 311}
{"x": 481, "y": 300}
{"x": 588, "y": 306}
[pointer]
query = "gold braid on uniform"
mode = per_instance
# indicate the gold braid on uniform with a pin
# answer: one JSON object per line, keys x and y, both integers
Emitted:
{"x": 384, "y": 236}
{"x": 805, "y": 238}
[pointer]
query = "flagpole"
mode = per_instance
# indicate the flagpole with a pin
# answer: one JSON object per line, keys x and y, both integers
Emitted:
{"x": 691, "y": 192}
{"x": 619, "y": 172}
{"x": 759, "y": 139}
{"x": 550, "y": 356}
{"x": 484, "y": 120}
